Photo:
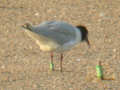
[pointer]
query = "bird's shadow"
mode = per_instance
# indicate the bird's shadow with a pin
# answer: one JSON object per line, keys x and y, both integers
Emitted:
{"x": 62, "y": 71}
{"x": 55, "y": 70}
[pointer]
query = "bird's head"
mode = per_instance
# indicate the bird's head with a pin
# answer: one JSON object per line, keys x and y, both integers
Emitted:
{"x": 27, "y": 26}
{"x": 84, "y": 33}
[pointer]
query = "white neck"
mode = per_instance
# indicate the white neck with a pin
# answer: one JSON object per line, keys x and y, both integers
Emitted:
{"x": 78, "y": 35}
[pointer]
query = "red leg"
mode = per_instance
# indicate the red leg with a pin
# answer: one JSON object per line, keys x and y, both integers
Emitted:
{"x": 61, "y": 59}
{"x": 52, "y": 66}
{"x": 52, "y": 58}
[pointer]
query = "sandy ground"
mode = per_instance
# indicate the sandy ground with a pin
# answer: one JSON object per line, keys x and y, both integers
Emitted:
{"x": 24, "y": 67}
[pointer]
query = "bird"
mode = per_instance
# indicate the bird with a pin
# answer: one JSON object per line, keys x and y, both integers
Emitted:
{"x": 56, "y": 36}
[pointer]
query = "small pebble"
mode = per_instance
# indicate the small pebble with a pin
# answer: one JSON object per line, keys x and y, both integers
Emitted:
{"x": 30, "y": 47}
{"x": 36, "y": 14}
{"x": 34, "y": 86}
{"x": 114, "y": 50}
{"x": 3, "y": 67}
{"x": 102, "y": 14}
{"x": 78, "y": 59}
{"x": 55, "y": 16}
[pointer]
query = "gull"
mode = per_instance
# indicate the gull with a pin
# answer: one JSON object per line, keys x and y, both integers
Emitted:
{"x": 56, "y": 36}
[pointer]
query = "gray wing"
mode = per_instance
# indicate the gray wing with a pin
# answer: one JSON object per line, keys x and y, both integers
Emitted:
{"x": 59, "y": 31}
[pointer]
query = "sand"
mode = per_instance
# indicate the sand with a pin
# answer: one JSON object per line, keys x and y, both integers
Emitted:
{"x": 24, "y": 67}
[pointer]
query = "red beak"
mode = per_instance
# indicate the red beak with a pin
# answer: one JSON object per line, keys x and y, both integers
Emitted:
{"x": 87, "y": 41}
